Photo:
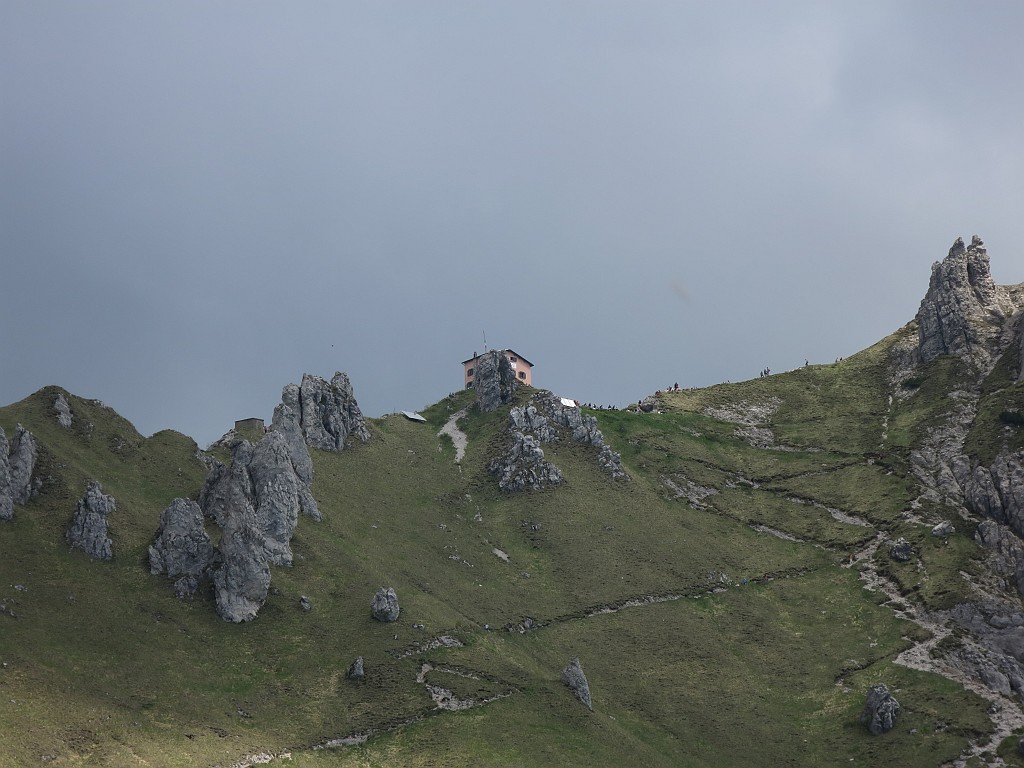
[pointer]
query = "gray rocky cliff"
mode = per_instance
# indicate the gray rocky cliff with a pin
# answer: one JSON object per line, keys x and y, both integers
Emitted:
{"x": 574, "y": 678}
{"x": 327, "y": 412}
{"x": 278, "y": 496}
{"x": 257, "y": 501}
{"x": 17, "y": 463}
{"x": 88, "y": 531}
{"x": 242, "y": 582}
{"x": 6, "y": 492}
{"x": 1007, "y": 553}
{"x": 545, "y": 420}
{"x": 182, "y": 548}
{"x": 494, "y": 380}
{"x": 992, "y": 650}
{"x": 961, "y": 313}
{"x": 995, "y": 492}
{"x": 263, "y": 480}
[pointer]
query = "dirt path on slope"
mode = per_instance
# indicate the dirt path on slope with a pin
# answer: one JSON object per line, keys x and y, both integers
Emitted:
{"x": 459, "y": 439}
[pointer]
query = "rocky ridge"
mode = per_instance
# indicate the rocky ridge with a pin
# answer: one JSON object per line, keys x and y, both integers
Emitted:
{"x": 545, "y": 419}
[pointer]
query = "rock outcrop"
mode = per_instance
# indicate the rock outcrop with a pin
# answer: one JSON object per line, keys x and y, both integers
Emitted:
{"x": 260, "y": 483}
{"x": 901, "y": 550}
{"x": 182, "y": 548}
{"x": 63, "y": 411}
{"x": 544, "y": 420}
{"x": 523, "y": 466}
{"x": 286, "y": 423}
{"x": 24, "y": 452}
{"x": 995, "y": 492}
{"x": 384, "y": 605}
{"x": 960, "y": 314}
{"x": 1007, "y": 552}
{"x": 256, "y": 500}
{"x": 880, "y": 710}
{"x": 6, "y": 491}
{"x": 327, "y": 412}
{"x": 242, "y": 582}
{"x": 356, "y": 671}
{"x": 573, "y": 677}
{"x": 17, "y": 463}
{"x": 992, "y": 650}
{"x": 88, "y": 530}
{"x": 494, "y": 380}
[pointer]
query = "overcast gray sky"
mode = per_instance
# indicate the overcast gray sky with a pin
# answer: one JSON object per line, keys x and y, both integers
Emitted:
{"x": 199, "y": 201}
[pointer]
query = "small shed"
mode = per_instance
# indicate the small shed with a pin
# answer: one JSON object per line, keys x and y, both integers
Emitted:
{"x": 247, "y": 424}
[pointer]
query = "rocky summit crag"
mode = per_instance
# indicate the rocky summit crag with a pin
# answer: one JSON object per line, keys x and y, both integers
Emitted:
{"x": 801, "y": 535}
{"x": 258, "y": 497}
{"x": 963, "y": 311}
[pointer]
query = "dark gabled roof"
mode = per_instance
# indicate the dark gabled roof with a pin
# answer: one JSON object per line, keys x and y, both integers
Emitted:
{"x": 470, "y": 360}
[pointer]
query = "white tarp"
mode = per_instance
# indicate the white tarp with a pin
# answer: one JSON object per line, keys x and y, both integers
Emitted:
{"x": 413, "y": 416}
{"x": 568, "y": 403}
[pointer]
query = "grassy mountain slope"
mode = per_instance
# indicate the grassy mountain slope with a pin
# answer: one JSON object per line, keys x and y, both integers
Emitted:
{"x": 707, "y": 639}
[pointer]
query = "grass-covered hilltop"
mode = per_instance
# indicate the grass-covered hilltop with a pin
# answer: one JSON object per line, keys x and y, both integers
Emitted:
{"x": 735, "y": 568}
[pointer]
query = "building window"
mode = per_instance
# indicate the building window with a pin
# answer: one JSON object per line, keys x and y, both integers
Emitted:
{"x": 469, "y": 372}
{"x": 522, "y": 374}
{"x": 469, "y": 385}
{"x": 513, "y": 359}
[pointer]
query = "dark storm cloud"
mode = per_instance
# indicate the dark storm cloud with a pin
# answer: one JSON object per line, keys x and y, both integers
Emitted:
{"x": 202, "y": 201}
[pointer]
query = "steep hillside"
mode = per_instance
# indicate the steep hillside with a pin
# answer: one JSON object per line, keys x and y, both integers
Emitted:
{"x": 729, "y": 589}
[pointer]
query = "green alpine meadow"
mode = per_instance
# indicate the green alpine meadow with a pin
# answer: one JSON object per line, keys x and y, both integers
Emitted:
{"x": 737, "y": 569}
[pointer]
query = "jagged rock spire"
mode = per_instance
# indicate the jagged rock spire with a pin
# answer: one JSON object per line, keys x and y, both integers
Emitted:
{"x": 956, "y": 314}
{"x": 327, "y": 412}
{"x": 494, "y": 380}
